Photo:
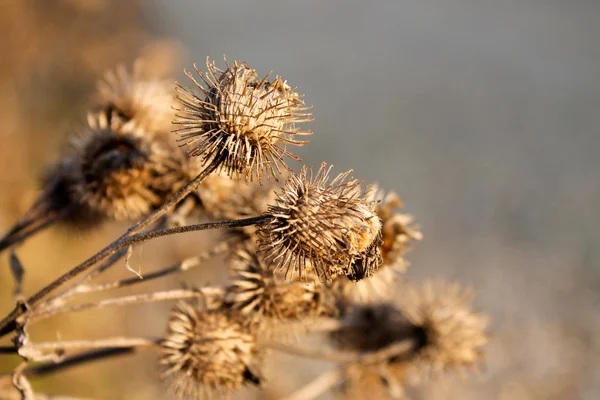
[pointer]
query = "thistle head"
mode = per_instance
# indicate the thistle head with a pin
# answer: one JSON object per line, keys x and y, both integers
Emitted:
{"x": 452, "y": 334}
{"x": 123, "y": 172}
{"x": 397, "y": 235}
{"x": 241, "y": 122}
{"x": 397, "y": 230}
{"x": 266, "y": 299}
{"x": 132, "y": 96}
{"x": 328, "y": 227}
{"x": 435, "y": 318}
{"x": 207, "y": 352}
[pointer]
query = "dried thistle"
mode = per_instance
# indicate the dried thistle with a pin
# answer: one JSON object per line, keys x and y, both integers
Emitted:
{"x": 121, "y": 171}
{"x": 327, "y": 226}
{"x": 397, "y": 234}
{"x": 206, "y": 352}
{"x": 132, "y": 96}
{"x": 397, "y": 230}
{"x": 267, "y": 299}
{"x": 244, "y": 122}
{"x": 112, "y": 170}
{"x": 453, "y": 335}
{"x": 435, "y": 317}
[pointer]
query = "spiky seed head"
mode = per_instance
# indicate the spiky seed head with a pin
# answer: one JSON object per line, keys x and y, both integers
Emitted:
{"x": 397, "y": 229}
{"x": 453, "y": 335}
{"x": 397, "y": 234}
{"x": 435, "y": 317}
{"x": 148, "y": 101}
{"x": 266, "y": 298}
{"x": 123, "y": 172}
{"x": 242, "y": 121}
{"x": 206, "y": 352}
{"x": 327, "y": 226}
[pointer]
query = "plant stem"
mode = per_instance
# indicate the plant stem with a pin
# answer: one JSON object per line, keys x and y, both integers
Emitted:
{"x": 181, "y": 266}
{"x": 63, "y": 296}
{"x": 318, "y": 386}
{"x": 402, "y": 348}
{"x": 47, "y": 368}
{"x": 8, "y": 324}
{"x": 174, "y": 294}
{"x": 116, "y": 342}
{"x": 50, "y": 367}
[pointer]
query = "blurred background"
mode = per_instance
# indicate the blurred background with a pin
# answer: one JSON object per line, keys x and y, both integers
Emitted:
{"x": 483, "y": 116}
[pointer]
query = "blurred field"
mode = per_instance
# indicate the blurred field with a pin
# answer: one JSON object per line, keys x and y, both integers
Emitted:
{"x": 482, "y": 115}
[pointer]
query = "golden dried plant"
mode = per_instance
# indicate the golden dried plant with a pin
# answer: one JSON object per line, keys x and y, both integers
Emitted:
{"x": 246, "y": 121}
{"x": 328, "y": 227}
{"x": 316, "y": 255}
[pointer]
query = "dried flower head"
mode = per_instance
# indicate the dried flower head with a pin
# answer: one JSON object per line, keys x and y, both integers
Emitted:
{"x": 396, "y": 229}
{"x": 132, "y": 96}
{"x": 122, "y": 171}
{"x": 241, "y": 121}
{"x": 435, "y": 318}
{"x": 453, "y": 335}
{"x": 397, "y": 233}
{"x": 266, "y": 298}
{"x": 207, "y": 352}
{"x": 113, "y": 169}
{"x": 327, "y": 226}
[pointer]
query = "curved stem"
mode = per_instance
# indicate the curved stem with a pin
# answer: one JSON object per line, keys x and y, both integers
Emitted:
{"x": 28, "y": 229}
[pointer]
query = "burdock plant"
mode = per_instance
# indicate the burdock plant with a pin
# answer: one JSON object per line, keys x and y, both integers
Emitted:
{"x": 315, "y": 255}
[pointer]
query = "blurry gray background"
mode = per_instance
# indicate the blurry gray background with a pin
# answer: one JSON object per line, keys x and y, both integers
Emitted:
{"x": 485, "y": 117}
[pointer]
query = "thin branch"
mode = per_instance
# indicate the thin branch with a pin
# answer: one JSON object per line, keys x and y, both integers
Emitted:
{"x": 181, "y": 266}
{"x": 60, "y": 346}
{"x": 8, "y": 349}
{"x": 63, "y": 296}
{"x": 143, "y": 237}
{"x": 66, "y": 362}
{"x": 85, "y": 357}
{"x": 174, "y": 294}
{"x": 403, "y": 348}
{"x": 55, "y": 351}
{"x": 318, "y": 386}
{"x": 27, "y": 228}
{"x": 9, "y": 324}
